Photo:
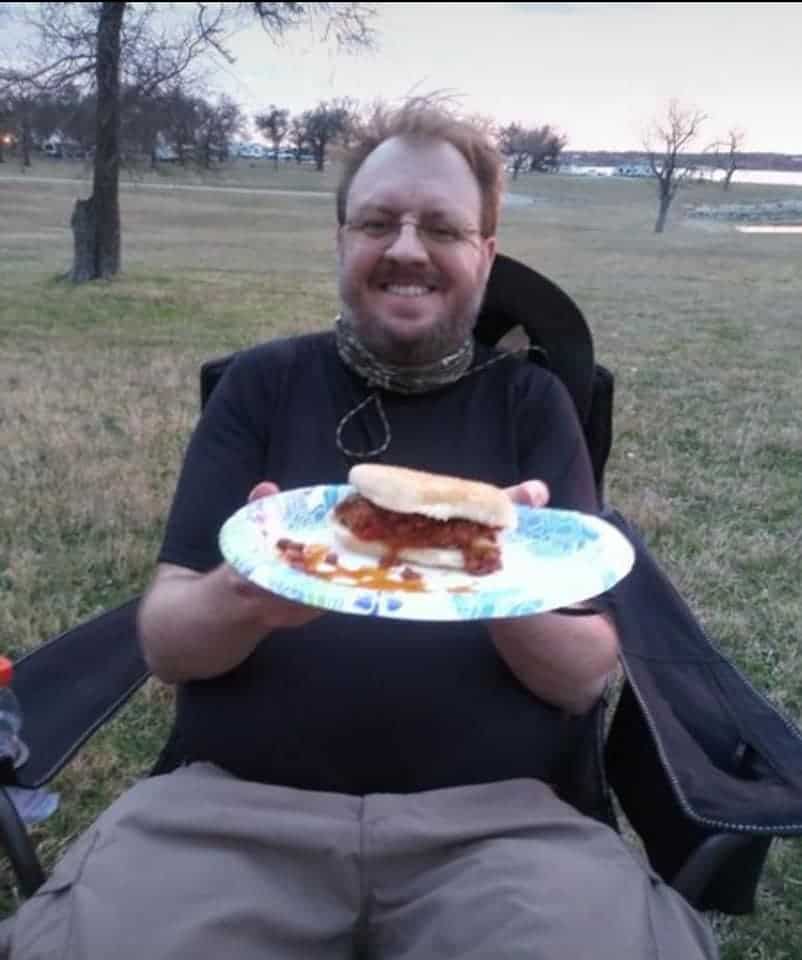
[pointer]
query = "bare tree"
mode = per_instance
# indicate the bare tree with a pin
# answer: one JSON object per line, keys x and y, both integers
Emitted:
{"x": 533, "y": 148}
{"x": 545, "y": 146}
{"x": 351, "y": 117}
{"x": 15, "y": 111}
{"x": 322, "y": 126}
{"x": 110, "y": 46}
{"x": 728, "y": 161}
{"x": 512, "y": 140}
{"x": 664, "y": 146}
{"x": 297, "y": 137}
{"x": 6, "y": 125}
{"x": 219, "y": 123}
{"x": 179, "y": 128}
{"x": 274, "y": 125}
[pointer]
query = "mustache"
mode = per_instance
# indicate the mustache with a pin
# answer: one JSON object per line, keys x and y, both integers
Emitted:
{"x": 404, "y": 278}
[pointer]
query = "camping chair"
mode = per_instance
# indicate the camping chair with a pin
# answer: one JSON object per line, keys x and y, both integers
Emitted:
{"x": 704, "y": 768}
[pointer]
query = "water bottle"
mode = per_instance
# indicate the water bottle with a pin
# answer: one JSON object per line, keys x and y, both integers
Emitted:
{"x": 10, "y": 716}
{"x": 33, "y": 806}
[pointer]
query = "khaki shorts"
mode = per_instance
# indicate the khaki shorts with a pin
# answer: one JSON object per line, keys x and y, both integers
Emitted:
{"x": 200, "y": 865}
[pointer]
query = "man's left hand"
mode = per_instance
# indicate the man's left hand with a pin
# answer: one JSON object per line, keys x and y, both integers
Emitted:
{"x": 530, "y": 493}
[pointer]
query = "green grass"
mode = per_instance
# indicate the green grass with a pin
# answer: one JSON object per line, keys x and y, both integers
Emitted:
{"x": 701, "y": 326}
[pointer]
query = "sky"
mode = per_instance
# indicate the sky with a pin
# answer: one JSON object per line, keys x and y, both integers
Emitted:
{"x": 600, "y": 72}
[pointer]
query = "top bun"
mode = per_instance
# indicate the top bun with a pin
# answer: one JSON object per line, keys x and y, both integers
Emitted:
{"x": 433, "y": 495}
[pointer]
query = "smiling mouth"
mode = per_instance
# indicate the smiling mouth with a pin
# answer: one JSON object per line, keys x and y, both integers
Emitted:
{"x": 406, "y": 290}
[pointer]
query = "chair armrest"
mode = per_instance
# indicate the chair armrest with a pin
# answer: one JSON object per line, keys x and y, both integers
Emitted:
{"x": 72, "y": 684}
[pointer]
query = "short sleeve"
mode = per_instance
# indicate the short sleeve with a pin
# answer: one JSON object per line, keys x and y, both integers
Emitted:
{"x": 224, "y": 460}
{"x": 551, "y": 444}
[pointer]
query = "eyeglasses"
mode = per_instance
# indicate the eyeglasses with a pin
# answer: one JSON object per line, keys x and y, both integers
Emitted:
{"x": 433, "y": 233}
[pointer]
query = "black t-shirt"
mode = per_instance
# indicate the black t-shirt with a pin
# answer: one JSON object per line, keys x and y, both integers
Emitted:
{"x": 358, "y": 704}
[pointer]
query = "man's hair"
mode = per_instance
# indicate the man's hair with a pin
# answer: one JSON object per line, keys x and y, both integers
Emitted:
{"x": 425, "y": 122}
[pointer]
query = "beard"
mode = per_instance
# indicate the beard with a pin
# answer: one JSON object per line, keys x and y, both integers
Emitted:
{"x": 444, "y": 335}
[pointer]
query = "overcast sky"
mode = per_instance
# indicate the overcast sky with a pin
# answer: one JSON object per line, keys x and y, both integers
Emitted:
{"x": 598, "y": 71}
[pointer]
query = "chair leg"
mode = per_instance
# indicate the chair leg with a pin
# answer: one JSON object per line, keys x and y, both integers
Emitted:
{"x": 740, "y": 853}
{"x": 17, "y": 843}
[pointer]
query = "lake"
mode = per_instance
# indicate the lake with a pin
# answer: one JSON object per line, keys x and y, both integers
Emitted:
{"x": 789, "y": 178}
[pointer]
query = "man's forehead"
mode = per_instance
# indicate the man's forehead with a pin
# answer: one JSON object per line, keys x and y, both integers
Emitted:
{"x": 429, "y": 174}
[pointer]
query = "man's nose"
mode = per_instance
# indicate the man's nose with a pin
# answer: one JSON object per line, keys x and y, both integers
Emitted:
{"x": 407, "y": 243}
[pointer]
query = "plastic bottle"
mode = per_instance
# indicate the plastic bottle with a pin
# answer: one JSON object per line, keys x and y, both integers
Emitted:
{"x": 10, "y": 715}
{"x": 33, "y": 806}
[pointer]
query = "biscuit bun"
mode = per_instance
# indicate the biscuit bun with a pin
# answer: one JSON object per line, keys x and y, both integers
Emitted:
{"x": 433, "y": 495}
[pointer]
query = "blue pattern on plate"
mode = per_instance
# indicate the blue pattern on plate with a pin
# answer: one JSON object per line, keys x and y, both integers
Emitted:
{"x": 554, "y": 558}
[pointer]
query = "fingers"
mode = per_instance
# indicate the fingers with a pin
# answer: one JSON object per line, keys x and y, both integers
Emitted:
{"x": 264, "y": 489}
{"x": 531, "y": 493}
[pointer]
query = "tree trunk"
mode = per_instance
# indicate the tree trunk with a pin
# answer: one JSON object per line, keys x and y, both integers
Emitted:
{"x": 84, "y": 232}
{"x": 26, "y": 142}
{"x": 96, "y": 221}
{"x": 665, "y": 195}
{"x": 728, "y": 177}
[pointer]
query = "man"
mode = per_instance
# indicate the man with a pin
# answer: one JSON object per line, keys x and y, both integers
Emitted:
{"x": 353, "y": 784}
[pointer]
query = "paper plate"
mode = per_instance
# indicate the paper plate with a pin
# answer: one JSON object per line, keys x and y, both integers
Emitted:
{"x": 554, "y": 558}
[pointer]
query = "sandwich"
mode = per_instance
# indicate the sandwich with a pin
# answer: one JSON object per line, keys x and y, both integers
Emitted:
{"x": 427, "y": 519}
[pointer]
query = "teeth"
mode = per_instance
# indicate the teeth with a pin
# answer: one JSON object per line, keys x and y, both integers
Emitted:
{"x": 406, "y": 291}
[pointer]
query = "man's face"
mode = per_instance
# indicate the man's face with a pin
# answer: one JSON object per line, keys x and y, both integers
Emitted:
{"x": 413, "y": 294}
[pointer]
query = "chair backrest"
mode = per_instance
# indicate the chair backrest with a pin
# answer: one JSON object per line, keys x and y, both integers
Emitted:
{"x": 518, "y": 296}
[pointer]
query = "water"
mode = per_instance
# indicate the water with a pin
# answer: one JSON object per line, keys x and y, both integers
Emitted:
{"x": 786, "y": 178}
{"x": 783, "y": 228}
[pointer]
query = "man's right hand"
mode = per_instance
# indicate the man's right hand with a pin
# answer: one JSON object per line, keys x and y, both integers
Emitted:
{"x": 279, "y": 612}
{"x": 198, "y": 625}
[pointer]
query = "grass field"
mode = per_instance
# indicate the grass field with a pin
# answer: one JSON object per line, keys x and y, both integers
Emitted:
{"x": 702, "y": 327}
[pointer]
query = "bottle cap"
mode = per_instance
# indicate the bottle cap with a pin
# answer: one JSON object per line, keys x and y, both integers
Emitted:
{"x": 6, "y": 672}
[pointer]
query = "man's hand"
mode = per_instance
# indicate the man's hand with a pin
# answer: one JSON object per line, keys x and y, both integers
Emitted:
{"x": 197, "y": 625}
{"x": 530, "y": 493}
{"x": 279, "y": 612}
{"x": 564, "y": 660}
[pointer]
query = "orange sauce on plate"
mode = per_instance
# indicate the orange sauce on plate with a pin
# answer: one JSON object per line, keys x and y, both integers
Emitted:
{"x": 320, "y": 561}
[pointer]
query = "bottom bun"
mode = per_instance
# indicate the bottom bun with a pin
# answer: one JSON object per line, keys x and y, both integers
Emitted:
{"x": 424, "y": 556}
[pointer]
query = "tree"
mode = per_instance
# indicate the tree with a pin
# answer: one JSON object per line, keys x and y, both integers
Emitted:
{"x": 218, "y": 124}
{"x": 322, "y": 126}
{"x": 112, "y": 46}
{"x": 729, "y": 161}
{"x": 21, "y": 102}
{"x": 512, "y": 140}
{"x": 545, "y": 146}
{"x": 144, "y": 119}
{"x": 6, "y": 126}
{"x": 535, "y": 148}
{"x": 180, "y": 121}
{"x": 297, "y": 136}
{"x": 275, "y": 125}
{"x": 664, "y": 145}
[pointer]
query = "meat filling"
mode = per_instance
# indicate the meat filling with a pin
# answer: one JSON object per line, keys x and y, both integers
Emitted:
{"x": 477, "y": 542}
